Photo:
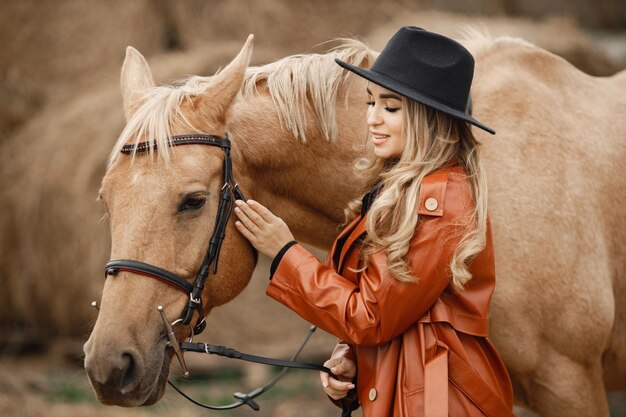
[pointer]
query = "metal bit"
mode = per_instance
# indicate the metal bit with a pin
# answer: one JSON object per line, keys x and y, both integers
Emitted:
{"x": 94, "y": 304}
{"x": 173, "y": 342}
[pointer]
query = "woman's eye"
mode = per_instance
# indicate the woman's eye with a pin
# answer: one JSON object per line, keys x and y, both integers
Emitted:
{"x": 192, "y": 203}
{"x": 370, "y": 103}
{"x": 392, "y": 109}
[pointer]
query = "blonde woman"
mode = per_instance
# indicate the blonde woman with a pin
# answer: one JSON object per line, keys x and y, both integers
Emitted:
{"x": 408, "y": 282}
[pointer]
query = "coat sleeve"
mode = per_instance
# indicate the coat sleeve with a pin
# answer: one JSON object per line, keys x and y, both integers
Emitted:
{"x": 378, "y": 308}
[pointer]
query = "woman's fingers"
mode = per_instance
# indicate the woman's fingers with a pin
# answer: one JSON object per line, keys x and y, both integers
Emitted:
{"x": 267, "y": 215}
{"x": 251, "y": 213}
{"x": 337, "y": 389}
{"x": 337, "y": 385}
{"x": 337, "y": 369}
{"x": 245, "y": 232}
{"x": 344, "y": 368}
{"x": 324, "y": 378}
{"x": 247, "y": 222}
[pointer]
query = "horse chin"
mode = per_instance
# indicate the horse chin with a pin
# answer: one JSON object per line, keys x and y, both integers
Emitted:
{"x": 158, "y": 388}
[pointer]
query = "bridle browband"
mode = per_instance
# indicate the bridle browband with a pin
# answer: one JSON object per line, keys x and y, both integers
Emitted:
{"x": 229, "y": 190}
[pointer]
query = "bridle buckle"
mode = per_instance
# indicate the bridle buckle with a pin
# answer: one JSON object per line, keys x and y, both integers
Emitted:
{"x": 194, "y": 300}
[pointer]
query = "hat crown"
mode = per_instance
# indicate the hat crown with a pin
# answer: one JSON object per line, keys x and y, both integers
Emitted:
{"x": 432, "y": 64}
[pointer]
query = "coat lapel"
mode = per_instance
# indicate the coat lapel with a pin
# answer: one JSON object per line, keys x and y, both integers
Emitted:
{"x": 333, "y": 258}
{"x": 356, "y": 229}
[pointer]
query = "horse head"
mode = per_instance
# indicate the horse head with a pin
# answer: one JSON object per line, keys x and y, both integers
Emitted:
{"x": 162, "y": 206}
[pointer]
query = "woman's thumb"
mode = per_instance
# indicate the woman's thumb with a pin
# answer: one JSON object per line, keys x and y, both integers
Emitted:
{"x": 337, "y": 369}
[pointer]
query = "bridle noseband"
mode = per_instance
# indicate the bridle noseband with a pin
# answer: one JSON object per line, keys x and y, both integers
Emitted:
{"x": 230, "y": 190}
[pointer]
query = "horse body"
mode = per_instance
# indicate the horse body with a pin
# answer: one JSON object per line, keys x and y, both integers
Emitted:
{"x": 555, "y": 188}
{"x": 559, "y": 307}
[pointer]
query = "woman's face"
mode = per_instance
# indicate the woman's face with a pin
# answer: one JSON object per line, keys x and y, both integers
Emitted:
{"x": 385, "y": 118}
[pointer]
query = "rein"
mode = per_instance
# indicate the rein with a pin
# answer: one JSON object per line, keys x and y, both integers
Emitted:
{"x": 230, "y": 190}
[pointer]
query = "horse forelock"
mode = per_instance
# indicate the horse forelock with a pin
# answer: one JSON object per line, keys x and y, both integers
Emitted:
{"x": 157, "y": 110}
{"x": 297, "y": 84}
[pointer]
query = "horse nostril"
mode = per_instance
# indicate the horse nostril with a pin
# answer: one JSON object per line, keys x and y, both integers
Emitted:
{"x": 129, "y": 371}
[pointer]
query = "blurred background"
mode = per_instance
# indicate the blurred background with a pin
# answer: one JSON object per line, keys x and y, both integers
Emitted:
{"x": 61, "y": 112}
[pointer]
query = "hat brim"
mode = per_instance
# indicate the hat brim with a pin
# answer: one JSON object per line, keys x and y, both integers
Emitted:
{"x": 402, "y": 89}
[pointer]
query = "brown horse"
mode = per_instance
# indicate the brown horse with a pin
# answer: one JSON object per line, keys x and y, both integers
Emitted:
{"x": 559, "y": 311}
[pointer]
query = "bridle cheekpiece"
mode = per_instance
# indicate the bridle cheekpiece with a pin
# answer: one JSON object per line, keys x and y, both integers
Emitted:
{"x": 230, "y": 190}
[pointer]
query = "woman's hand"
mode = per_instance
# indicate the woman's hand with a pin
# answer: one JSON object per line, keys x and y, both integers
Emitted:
{"x": 345, "y": 371}
{"x": 267, "y": 232}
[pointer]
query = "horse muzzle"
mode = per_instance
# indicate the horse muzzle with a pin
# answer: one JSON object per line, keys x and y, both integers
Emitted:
{"x": 123, "y": 376}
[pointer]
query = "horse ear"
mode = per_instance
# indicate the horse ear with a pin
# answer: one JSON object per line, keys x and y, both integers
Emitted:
{"x": 225, "y": 85}
{"x": 135, "y": 81}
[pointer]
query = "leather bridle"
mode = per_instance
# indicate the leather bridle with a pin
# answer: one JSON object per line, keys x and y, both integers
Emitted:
{"x": 230, "y": 190}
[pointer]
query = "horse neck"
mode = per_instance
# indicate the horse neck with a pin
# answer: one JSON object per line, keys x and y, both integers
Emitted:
{"x": 307, "y": 184}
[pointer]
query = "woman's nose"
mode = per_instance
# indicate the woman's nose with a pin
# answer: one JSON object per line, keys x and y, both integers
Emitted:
{"x": 373, "y": 118}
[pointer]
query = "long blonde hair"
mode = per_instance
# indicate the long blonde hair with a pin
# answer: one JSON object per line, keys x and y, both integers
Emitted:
{"x": 433, "y": 139}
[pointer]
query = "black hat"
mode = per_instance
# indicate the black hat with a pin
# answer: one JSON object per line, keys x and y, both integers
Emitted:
{"x": 426, "y": 67}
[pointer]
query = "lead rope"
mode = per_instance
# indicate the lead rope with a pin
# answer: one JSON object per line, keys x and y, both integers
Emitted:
{"x": 248, "y": 398}
{"x": 189, "y": 346}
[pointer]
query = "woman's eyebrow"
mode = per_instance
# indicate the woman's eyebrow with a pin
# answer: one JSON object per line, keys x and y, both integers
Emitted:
{"x": 383, "y": 96}
{"x": 390, "y": 96}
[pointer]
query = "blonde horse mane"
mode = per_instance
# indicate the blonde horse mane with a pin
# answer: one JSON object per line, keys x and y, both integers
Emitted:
{"x": 297, "y": 84}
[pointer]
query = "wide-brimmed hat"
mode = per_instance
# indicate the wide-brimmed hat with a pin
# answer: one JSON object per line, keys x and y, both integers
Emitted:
{"x": 426, "y": 67}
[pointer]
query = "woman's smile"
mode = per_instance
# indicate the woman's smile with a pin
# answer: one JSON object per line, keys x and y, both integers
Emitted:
{"x": 379, "y": 138}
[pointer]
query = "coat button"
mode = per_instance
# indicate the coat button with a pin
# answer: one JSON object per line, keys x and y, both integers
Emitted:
{"x": 431, "y": 204}
{"x": 372, "y": 394}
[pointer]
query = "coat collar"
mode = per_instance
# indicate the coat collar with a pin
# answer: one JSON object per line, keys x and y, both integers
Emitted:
{"x": 432, "y": 189}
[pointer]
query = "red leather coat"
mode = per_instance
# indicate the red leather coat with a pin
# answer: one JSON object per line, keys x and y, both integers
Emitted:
{"x": 421, "y": 348}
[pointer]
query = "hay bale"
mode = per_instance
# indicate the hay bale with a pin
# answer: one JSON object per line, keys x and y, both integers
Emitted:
{"x": 289, "y": 27}
{"x": 48, "y": 48}
{"x": 51, "y": 44}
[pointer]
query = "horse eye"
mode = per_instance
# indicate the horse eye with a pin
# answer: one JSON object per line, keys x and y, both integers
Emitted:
{"x": 192, "y": 203}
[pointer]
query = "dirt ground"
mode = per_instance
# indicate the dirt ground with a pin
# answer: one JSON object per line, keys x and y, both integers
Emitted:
{"x": 32, "y": 387}
{"x": 44, "y": 386}
{"x": 54, "y": 383}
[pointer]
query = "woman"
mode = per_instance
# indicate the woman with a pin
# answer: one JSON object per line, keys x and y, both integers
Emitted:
{"x": 408, "y": 282}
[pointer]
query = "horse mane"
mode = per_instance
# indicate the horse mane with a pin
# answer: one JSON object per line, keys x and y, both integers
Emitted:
{"x": 296, "y": 83}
